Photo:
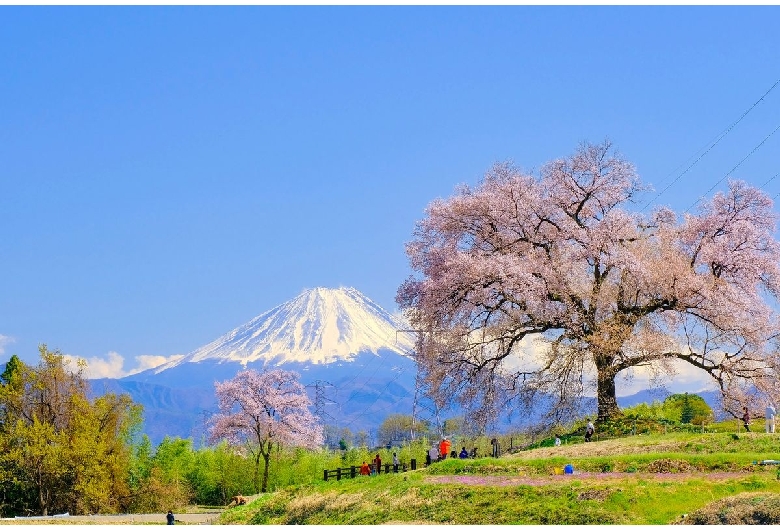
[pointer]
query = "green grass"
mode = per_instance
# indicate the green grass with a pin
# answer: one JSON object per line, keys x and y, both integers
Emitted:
{"x": 636, "y": 497}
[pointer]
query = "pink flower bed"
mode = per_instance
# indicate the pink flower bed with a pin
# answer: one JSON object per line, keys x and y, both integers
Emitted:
{"x": 542, "y": 480}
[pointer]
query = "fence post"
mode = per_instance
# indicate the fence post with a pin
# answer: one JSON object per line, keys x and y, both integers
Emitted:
{"x": 352, "y": 472}
{"x": 387, "y": 468}
{"x": 326, "y": 475}
{"x": 338, "y": 473}
{"x": 414, "y": 464}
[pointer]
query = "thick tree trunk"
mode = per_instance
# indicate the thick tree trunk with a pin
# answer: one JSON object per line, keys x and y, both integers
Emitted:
{"x": 605, "y": 392}
{"x": 607, "y": 401}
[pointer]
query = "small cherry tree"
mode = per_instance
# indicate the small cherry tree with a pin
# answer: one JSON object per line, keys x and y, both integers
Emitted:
{"x": 558, "y": 257}
{"x": 260, "y": 409}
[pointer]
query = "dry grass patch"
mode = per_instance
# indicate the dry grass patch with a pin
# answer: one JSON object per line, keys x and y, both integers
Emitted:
{"x": 667, "y": 465}
{"x": 301, "y": 508}
{"x": 410, "y": 499}
{"x": 742, "y": 509}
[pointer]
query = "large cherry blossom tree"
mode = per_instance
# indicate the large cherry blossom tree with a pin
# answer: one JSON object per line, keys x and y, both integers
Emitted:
{"x": 261, "y": 409}
{"x": 560, "y": 256}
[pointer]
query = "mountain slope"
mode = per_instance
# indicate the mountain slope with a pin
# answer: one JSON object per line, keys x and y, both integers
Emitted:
{"x": 319, "y": 326}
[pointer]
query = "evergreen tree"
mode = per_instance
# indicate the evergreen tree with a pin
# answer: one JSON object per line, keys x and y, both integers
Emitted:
{"x": 686, "y": 412}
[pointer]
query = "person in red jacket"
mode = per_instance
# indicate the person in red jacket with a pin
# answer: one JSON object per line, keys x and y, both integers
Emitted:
{"x": 364, "y": 469}
{"x": 377, "y": 463}
{"x": 444, "y": 448}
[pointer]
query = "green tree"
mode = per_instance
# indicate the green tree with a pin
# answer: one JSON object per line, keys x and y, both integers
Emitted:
{"x": 362, "y": 439}
{"x": 687, "y": 408}
{"x": 399, "y": 428}
{"x": 219, "y": 473}
{"x": 62, "y": 451}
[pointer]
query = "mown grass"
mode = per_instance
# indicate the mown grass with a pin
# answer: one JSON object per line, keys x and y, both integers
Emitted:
{"x": 633, "y": 498}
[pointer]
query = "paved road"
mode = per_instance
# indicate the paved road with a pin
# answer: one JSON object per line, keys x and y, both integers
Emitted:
{"x": 130, "y": 518}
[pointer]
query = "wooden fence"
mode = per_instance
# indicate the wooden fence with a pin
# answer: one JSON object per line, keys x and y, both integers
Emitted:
{"x": 354, "y": 471}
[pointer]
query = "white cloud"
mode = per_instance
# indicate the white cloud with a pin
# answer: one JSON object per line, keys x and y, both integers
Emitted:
{"x": 109, "y": 366}
{"x": 112, "y": 365}
{"x": 686, "y": 377}
{"x": 145, "y": 362}
{"x": 5, "y": 340}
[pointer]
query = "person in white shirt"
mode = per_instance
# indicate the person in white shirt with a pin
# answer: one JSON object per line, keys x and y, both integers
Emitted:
{"x": 589, "y": 430}
{"x": 770, "y": 417}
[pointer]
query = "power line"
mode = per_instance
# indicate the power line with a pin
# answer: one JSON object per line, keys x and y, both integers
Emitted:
{"x": 365, "y": 382}
{"x": 418, "y": 384}
{"x": 773, "y": 177}
{"x": 710, "y": 146}
{"x": 756, "y": 148}
{"x": 768, "y": 181}
{"x": 381, "y": 392}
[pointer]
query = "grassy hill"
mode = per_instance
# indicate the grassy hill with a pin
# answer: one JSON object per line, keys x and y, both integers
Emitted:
{"x": 644, "y": 479}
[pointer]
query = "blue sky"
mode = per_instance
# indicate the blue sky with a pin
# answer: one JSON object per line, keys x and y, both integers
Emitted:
{"x": 168, "y": 173}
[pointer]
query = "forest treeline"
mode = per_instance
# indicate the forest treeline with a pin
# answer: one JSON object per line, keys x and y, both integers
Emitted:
{"x": 61, "y": 451}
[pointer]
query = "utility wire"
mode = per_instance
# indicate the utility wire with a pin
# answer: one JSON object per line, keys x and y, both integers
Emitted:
{"x": 756, "y": 148}
{"x": 773, "y": 177}
{"x": 367, "y": 410}
{"x": 768, "y": 181}
{"x": 365, "y": 382}
{"x": 711, "y": 145}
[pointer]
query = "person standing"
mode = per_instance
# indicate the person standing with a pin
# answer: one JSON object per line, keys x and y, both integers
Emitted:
{"x": 444, "y": 448}
{"x": 770, "y": 417}
{"x": 395, "y": 463}
{"x": 433, "y": 454}
{"x": 746, "y": 418}
{"x": 170, "y": 517}
{"x": 589, "y": 430}
{"x": 378, "y": 464}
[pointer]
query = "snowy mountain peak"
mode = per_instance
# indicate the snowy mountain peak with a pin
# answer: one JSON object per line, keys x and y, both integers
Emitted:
{"x": 319, "y": 326}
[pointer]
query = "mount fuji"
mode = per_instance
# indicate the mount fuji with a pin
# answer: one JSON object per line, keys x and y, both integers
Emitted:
{"x": 319, "y": 326}
{"x": 348, "y": 350}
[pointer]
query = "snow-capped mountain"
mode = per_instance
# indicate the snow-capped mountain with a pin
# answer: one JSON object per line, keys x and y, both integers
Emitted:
{"x": 319, "y": 326}
{"x": 336, "y": 338}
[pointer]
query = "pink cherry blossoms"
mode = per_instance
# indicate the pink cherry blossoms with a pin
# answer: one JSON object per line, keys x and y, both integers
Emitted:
{"x": 260, "y": 409}
{"x": 558, "y": 257}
